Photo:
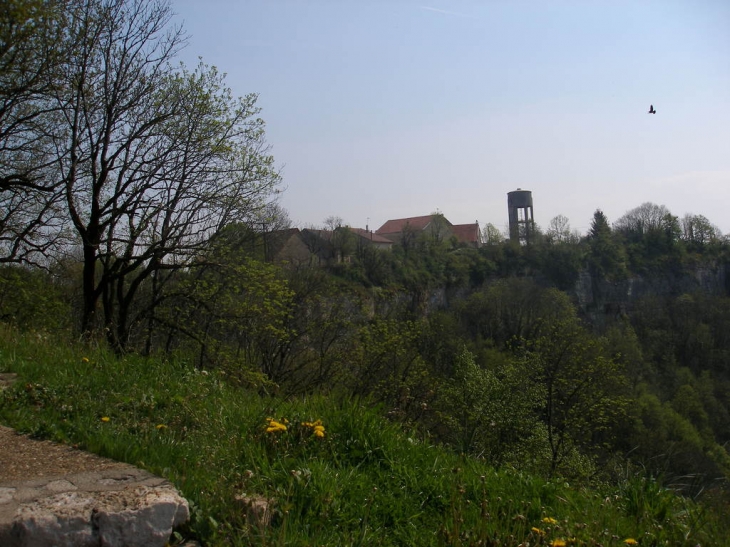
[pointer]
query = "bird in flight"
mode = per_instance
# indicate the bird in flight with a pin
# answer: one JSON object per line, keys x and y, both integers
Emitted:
{"x": 651, "y": 109}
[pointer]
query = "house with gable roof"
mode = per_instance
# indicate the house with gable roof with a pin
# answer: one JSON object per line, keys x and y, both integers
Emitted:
{"x": 368, "y": 237}
{"x": 296, "y": 248}
{"x": 311, "y": 247}
{"x": 436, "y": 225}
{"x": 471, "y": 234}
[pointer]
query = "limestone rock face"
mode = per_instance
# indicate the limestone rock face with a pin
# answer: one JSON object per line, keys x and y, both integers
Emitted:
{"x": 139, "y": 516}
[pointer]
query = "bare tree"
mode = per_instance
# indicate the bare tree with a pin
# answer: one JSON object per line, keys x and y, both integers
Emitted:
{"x": 31, "y": 50}
{"x": 559, "y": 231}
{"x": 647, "y": 217}
{"x": 332, "y": 222}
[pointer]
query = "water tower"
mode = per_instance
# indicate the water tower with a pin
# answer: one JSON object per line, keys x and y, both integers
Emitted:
{"x": 521, "y": 218}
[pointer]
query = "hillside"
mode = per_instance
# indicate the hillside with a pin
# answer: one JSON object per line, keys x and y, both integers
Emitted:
{"x": 363, "y": 481}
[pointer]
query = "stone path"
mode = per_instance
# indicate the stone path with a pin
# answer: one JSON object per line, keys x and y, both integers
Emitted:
{"x": 52, "y": 494}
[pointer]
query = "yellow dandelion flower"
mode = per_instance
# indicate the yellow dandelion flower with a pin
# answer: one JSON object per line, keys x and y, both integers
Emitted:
{"x": 160, "y": 427}
{"x": 549, "y": 520}
{"x": 558, "y": 543}
{"x": 317, "y": 427}
{"x": 84, "y": 359}
{"x": 105, "y": 419}
{"x": 631, "y": 541}
{"x": 275, "y": 426}
{"x": 537, "y": 531}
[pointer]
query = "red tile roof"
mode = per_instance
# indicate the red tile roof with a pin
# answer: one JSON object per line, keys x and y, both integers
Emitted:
{"x": 396, "y": 226}
{"x": 366, "y": 234}
{"x": 466, "y": 233}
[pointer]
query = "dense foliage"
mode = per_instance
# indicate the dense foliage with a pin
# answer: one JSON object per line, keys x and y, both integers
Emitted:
{"x": 138, "y": 202}
{"x": 499, "y": 353}
{"x": 319, "y": 470}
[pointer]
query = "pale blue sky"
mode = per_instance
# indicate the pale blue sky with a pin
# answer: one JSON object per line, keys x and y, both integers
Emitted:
{"x": 386, "y": 109}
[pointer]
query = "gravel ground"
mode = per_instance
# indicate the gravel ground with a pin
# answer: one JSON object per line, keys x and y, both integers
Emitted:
{"x": 23, "y": 458}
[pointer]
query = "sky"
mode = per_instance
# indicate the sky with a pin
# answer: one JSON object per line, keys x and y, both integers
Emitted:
{"x": 378, "y": 110}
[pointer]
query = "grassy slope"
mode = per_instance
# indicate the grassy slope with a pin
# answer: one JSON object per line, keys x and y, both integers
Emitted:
{"x": 365, "y": 483}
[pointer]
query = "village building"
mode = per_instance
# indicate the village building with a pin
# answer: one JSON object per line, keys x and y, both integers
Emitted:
{"x": 296, "y": 247}
{"x": 368, "y": 237}
{"x": 435, "y": 225}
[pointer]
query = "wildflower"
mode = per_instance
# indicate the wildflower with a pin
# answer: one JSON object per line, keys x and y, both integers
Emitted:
{"x": 558, "y": 543}
{"x": 84, "y": 359}
{"x": 317, "y": 427}
{"x": 631, "y": 541}
{"x": 160, "y": 427}
{"x": 537, "y": 531}
{"x": 549, "y": 520}
{"x": 275, "y": 426}
{"x": 105, "y": 419}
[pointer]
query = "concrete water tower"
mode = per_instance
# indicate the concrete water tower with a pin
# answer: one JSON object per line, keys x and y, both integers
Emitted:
{"x": 521, "y": 218}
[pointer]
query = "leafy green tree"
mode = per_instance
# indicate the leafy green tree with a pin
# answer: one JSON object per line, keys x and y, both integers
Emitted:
{"x": 512, "y": 309}
{"x": 407, "y": 240}
{"x": 339, "y": 237}
{"x": 624, "y": 347}
{"x": 152, "y": 160}
{"x": 606, "y": 256}
{"x": 228, "y": 311}
{"x": 714, "y": 394}
{"x": 562, "y": 264}
{"x": 492, "y": 412}
{"x": 387, "y": 365}
{"x": 322, "y": 333}
{"x": 585, "y": 389}
{"x": 687, "y": 403}
{"x": 651, "y": 234}
{"x": 698, "y": 232}
{"x": 667, "y": 443}
{"x": 344, "y": 243}
{"x": 33, "y": 299}
{"x": 442, "y": 340}
{"x": 437, "y": 231}
{"x": 491, "y": 235}
{"x": 377, "y": 265}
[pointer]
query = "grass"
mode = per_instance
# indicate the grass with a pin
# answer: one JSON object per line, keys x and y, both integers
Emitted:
{"x": 365, "y": 482}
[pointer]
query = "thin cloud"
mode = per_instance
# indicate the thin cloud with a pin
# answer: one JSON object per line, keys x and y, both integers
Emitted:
{"x": 445, "y": 12}
{"x": 706, "y": 181}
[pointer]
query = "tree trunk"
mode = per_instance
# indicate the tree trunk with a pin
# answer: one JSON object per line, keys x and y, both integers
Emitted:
{"x": 88, "y": 316}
